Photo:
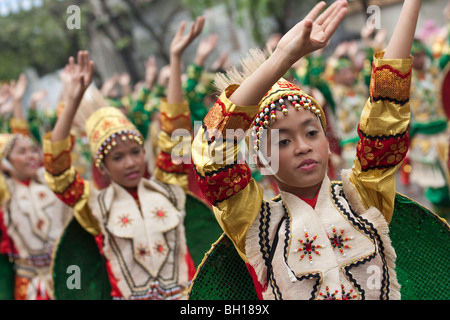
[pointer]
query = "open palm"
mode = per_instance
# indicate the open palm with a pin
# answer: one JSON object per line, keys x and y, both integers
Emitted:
{"x": 181, "y": 41}
{"x": 313, "y": 33}
{"x": 79, "y": 75}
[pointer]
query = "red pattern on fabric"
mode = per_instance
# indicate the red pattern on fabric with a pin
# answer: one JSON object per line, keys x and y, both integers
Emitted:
{"x": 73, "y": 192}
{"x": 165, "y": 163}
{"x": 381, "y": 152}
{"x": 115, "y": 292}
{"x": 218, "y": 120}
{"x": 223, "y": 184}
{"x": 6, "y": 243}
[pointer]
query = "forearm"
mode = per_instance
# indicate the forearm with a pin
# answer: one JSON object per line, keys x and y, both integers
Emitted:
{"x": 18, "y": 109}
{"x": 399, "y": 46}
{"x": 172, "y": 162}
{"x": 174, "y": 90}
{"x": 62, "y": 127}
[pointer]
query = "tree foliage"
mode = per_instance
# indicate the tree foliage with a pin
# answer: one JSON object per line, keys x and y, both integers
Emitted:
{"x": 37, "y": 38}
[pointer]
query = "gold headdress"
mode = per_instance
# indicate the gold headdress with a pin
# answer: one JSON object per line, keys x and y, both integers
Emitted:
{"x": 104, "y": 125}
{"x": 7, "y": 141}
{"x": 280, "y": 92}
{"x": 5, "y": 144}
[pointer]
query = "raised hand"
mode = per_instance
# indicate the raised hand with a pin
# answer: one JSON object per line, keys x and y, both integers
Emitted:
{"x": 204, "y": 49}
{"x": 180, "y": 41}
{"x": 19, "y": 87}
{"x": 151, "y": 71}
{"x": 80, "y": 76}
{"x": 313, "y": 32}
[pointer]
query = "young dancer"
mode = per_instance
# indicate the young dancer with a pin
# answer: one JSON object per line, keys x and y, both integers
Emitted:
{"x": 32, "y": 218}
{"x": 137, "y": 222}
{"x": 318, "y": 239}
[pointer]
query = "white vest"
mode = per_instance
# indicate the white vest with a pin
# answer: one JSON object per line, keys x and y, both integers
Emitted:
{"x": 146, "y": 248}
{"x": 338, "y": 250}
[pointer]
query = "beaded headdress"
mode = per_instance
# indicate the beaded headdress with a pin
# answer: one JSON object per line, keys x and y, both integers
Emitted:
{"x": 7, "y": 141}
{"x": 5, "y": 144}
{"x": 275, "y": 99}
{"x": 105, "y": 126}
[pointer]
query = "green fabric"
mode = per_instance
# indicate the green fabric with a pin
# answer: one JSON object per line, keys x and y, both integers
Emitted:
{"x": 195, "y": 93}
{"x": 78, "y": 248}
{"x": 428, "y": 128}
{"x": 6, "y": 278}
{"x": 139, "y": 115}
{"x": 438, "y": 196}
{"x": 313, "y": 77}
{"x": 223, "y": 275}
{"x": 420, "y": 239}
{"x": 201, "y": 228}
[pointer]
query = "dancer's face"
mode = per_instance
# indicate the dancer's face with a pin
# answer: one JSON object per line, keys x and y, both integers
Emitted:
{"x": 303, "y": 151}
{"x": 25, "y": 159}
{"x": 125, "y": 163}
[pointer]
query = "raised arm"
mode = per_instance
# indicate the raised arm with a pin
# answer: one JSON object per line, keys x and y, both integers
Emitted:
{"x": 175, "y": 115}
{"x": 80, "y": 75}
{"x": 399, "y": 46}
{"x": 179, "y": 43}
{"x": 310, "y": 34}
{"x": 383, "y": 128}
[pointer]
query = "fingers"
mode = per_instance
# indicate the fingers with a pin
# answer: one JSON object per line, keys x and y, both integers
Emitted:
{"x": 328, "y": 12}
{"x": 339, "y": 6}
{"x": 334, "y": 23}
{"x": 306, "y": 30}
{"x": 315, "y": 11}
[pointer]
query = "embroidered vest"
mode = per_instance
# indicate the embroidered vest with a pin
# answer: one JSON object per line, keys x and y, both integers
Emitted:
{"x": 35, "y": 220}
{"x": 330, "y": 252}
{"x": 146, "y": 246}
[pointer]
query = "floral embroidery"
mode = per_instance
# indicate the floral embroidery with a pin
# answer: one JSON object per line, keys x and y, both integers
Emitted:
{"x": 218, "y": 120}
{"x": 308, "y": 248}
{"x": 327, "y": 295}
{"x": 347, "y": 295}
{"x": 224, "y": 183}
{"x": 337, "y": 241}
{"x": 381, "y": 152}
{"x": 165, "y": 163}
{"x": 332, "y": 296}
{"x": 142, "y": 251}
{"x": 74, "y": 191}
{"x": 159, "y": 214}
{"x": 125, "y": 220}
{"x": 160, "y": 248}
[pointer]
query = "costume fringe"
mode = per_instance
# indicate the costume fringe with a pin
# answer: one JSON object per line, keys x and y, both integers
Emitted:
{"x": 374, "y": 216}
